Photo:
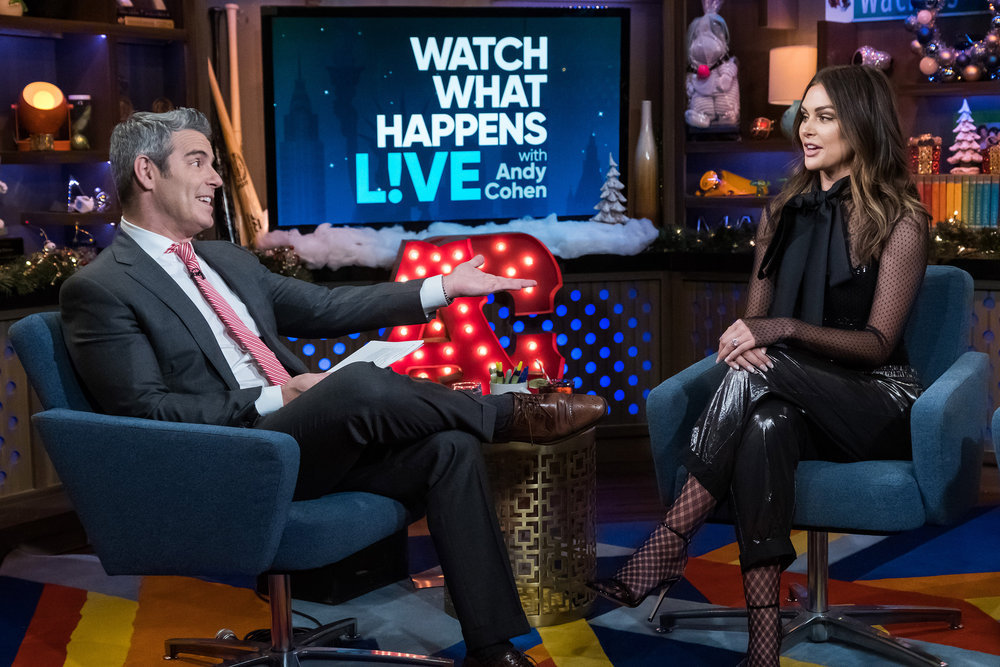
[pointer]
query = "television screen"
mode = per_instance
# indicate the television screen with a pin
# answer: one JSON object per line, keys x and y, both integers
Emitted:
{"x": 416, "y": 115}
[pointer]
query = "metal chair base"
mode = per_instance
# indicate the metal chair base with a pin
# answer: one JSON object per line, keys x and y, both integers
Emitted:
{"x": 812, "y": 618}
{"x": 284, "y": 650}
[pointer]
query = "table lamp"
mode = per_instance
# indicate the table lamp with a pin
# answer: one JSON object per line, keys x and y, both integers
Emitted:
{"x": 791, "y": 70}
{"x": 41, "y": 110}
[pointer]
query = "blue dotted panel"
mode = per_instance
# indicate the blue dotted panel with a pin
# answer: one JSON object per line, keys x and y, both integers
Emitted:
{"x": 607, "y": 331}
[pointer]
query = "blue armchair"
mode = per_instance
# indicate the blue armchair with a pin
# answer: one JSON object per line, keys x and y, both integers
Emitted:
{"x": 936, "y": 487}
{"x": 161, "y": 498}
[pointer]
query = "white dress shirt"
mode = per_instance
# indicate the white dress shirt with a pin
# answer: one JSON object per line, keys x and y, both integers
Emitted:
{"x": 245, "y": 369}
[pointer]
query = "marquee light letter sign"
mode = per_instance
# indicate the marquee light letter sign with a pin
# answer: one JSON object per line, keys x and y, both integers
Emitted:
{"x": 460, "y": 339}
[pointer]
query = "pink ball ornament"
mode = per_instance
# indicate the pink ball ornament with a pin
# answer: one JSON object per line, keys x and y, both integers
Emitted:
{"x": 946, "y": 56}
{"x": 972, "y": 73}
{"x": 928, "y": 66}
{"x": 916, "y": 47}
{"x": 704, "y": 71}
{"x": 924, "y": 17}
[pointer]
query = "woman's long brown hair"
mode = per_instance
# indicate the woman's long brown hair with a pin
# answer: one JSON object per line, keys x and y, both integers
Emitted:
{"x": 882, "y": 189}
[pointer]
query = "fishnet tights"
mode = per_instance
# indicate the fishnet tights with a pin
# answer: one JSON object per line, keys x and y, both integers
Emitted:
{"x": 901, "y": 267}
{"x": 663, "y": 555}
{"x": 761, "y": 586}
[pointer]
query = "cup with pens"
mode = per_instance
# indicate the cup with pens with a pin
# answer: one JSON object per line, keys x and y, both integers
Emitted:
{"x": 513, "y": 380}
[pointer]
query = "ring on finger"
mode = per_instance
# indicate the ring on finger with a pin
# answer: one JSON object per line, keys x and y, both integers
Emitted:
{"x": 736, "y": 342}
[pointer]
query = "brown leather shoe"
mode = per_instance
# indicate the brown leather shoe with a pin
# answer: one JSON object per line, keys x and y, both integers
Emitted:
{"x": 511, "y": 658}
{"x": 541, "y": 418}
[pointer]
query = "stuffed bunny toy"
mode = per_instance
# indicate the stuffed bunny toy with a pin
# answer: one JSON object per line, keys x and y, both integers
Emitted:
{"x": 712, "y": 89}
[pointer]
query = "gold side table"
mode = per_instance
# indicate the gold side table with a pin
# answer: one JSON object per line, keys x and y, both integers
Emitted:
{"x": 545, "y": 497}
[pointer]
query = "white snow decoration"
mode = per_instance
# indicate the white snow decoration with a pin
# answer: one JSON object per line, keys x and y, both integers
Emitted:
{"x": 337, "y": 247}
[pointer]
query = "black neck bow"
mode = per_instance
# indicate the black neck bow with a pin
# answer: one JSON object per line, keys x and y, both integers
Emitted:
{"x": 808, "y": 252}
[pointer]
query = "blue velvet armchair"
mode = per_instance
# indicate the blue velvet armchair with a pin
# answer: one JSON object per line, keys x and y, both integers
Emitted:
{"x": 161, "y": 498}
{"x": 936, "y": 487}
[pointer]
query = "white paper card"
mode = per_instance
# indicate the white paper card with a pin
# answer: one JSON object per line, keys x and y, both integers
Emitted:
{"x": 381, "y": 353}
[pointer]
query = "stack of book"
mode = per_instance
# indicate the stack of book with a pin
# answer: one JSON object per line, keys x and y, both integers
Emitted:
{"x": 973, "y": 199}
{"x": 144, "y": 14}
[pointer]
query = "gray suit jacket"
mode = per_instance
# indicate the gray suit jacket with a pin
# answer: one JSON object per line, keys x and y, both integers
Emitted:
{"x": 143, "y": 349}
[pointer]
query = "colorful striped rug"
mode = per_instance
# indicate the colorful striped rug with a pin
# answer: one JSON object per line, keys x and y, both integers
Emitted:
{"x": 60, "y": 611}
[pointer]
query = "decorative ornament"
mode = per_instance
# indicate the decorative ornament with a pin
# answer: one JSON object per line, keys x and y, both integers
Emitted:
{"x": 991, "y": 159}
{"x": 965, "y": 151}
{"x": 968, "y": 59}
{"x": 77, "y": 202}
{"x": 869, "y": 55}
{"x": 761, "y": 128}
{"x": 726, "y": 184}
{"x": 611, "y": 208}
{"x": 81, "y": 236}
{"x": 925, "y": 154}
{"x": 711, "y": 83}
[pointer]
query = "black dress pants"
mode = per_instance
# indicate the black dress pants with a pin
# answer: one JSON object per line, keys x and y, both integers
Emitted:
{"x": 369, "y": 429}
{"x": 758, "y": 426}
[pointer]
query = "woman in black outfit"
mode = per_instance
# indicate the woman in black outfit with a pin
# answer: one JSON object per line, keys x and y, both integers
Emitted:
{"x": 840, "y": 255}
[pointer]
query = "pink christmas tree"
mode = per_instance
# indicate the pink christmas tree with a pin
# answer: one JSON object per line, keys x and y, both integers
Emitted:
{"x": 965, "y": 151}
{"x": 611, "y": 208}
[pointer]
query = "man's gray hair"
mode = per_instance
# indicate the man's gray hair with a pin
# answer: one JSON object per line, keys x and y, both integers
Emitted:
{"x": 149, "y": 134}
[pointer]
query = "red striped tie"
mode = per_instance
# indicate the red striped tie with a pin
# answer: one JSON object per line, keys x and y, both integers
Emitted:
{"x": 261, "y": 353}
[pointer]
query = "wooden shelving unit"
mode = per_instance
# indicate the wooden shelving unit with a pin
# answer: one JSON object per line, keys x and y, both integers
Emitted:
{"x": 82, "y": 50}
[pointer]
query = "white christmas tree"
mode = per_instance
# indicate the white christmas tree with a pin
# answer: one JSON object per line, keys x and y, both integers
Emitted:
{"x": 611, "y": 208}
{"x": 965, "y": 151}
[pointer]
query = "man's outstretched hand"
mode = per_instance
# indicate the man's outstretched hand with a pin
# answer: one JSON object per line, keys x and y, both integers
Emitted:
{"x": 468, "y": 280}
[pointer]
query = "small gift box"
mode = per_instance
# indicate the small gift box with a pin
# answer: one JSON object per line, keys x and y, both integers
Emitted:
{"x": 925, "y": 154}
{"x": 991, "y": 160}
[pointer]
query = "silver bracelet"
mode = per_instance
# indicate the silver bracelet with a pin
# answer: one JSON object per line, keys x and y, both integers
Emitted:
{"x": 447, "y": 299}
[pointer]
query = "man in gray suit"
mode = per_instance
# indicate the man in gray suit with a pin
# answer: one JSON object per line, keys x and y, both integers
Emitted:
{"x": 162, "y": 328}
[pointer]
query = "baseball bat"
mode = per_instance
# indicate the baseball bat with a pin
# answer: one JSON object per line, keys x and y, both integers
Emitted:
{"x": 254, "y": 219}
{"x": 234, "y": 72}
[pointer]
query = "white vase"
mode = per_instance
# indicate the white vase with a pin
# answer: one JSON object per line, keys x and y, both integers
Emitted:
{"x": 646, "y": 195}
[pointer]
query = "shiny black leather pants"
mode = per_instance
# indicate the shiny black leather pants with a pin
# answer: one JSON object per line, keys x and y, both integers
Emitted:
{"x": 758, "y": 426}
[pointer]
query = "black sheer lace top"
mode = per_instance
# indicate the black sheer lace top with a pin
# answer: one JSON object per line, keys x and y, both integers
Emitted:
{"x": 864, "y": 317}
